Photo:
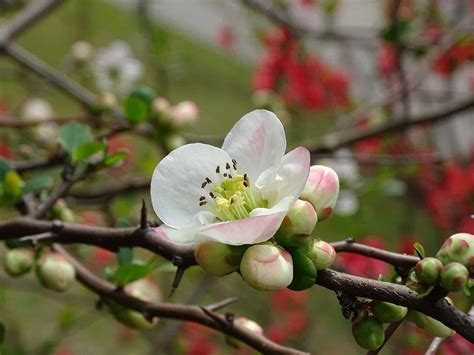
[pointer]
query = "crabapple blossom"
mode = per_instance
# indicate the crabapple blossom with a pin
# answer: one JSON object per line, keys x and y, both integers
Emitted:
{"x": 267, "y": 267}
{"x": 322, "y": 254}
{"x": 297, "y": 224}
{"x": 236, "y": 195}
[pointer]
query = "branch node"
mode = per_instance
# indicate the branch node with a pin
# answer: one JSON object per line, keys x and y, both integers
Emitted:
{"x": 56, "y": 226}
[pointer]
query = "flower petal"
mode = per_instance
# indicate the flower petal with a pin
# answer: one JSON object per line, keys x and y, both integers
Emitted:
{"x": 257, "y": 142}
{"x": 282, "y": 186}
{"x": 176, "y": 184}
{"x": 249, "y": 230}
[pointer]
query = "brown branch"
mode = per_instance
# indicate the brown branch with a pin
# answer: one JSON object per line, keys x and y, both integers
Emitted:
{"x": 392, "y": 258}
{"x": 9, "y": 121}
{"x": 174, "y": 311}
{"x": 32, "y": 13}
{"x": 398, "y": 294}
{"x": 336, "y": 140}
{"x": 106, "y": 194}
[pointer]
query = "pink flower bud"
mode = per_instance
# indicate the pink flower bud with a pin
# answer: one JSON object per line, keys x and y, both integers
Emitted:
{"x": 252, "y": 326}
{"x": 55, "y": 272}
{"x": 321, "y": 190}
{"x": 322, "y": 254}
{"x": 216, "y": 258}
{"x": 184, "y": 113}
{"x": 297, "y": 224}
{"x": 267, "y": 267}
{"x": 459, "y": 248}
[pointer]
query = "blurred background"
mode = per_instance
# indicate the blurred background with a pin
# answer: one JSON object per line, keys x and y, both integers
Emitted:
{"x": 324, "y": 67}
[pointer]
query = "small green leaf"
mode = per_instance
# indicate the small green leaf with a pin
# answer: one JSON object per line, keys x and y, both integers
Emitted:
{"x": 72, "y": 135}
{"x": 87, "y": 149}
{"x": 12, "y": 184}
{"x": 126, "y": 274}
{"x": 419, "y": 250}
{"x": 115, "y": 158}
{"x": 136, "y": 109}
{"x": 38, "y": 183}
{"x": 124, "y": 256}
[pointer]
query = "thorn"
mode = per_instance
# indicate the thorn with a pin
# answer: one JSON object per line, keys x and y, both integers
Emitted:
{"x": 143, "y": 216}
{"x": 218, "y": 305}
{"x": 36, "y": 237}
{"x": 56, "y": 226}
{"x": 350, "y": 240}
{"x": 217, "y": 318}
{"x": 178, "y": 275}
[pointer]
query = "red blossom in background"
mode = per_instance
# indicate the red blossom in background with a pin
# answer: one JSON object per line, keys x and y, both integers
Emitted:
{"x": 225, "y": 38}
{"x": 301, "y": 79}
{"x": 361, "y": 265}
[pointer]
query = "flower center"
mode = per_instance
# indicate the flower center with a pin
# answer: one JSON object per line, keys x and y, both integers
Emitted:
{"x": 232, "y": 198}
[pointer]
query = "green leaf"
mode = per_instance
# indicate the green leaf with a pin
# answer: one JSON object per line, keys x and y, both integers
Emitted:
{"x": 38, "y": 183}
{"x": 136, "y": 109}
{"x": 115, "y": 158}
{"x": 2, "y": 332}
{"x": 124, "y": 256}
{"x": 72, "y": 135}
{"x": 419, "y": 250}
{"x": 87, "y": 149}
{"x": 126, "y": 274}
{"x": 4, "y": 168}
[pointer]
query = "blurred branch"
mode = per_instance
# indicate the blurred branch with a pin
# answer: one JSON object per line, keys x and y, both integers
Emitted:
{"x": 9, "y": 121}
{"x": 280, "y": 17}
{"x": 105, "y": 194}
{"x": 333, "y": 141}
{"x": 32, "y": 12}
{"x": 434, "y": 346}
{"x": 386, "y": 159}
{"x": 174, "y": 311}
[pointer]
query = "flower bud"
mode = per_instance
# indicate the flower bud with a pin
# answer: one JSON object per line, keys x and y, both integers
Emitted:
{"x": 252, "y": 326}
{"x": 267, "y": 267}
{"x": 184, "y": 113}
{"x": 12, "y": 184}
{"x": 432, "y": 326}
{"x": 304, "y": 272}
{"x": 161, "y": 105}
{"x": 428, "y": 270}
{"x": 368, "y": 332}
{"x": 416, "y": 285}
{"x": 144, "y": 290}
{"x": 460, "y": 248}
{"x": 386, "y": 312}
{"x": 321, "y": 190}
{"x": 454, "y": 277}
{"x": 18, "y": 261}
{"x": 82, "y": 51}
{"x": 322, "y": 255}
{"x": 55, "y": 272}
{"x": 218, "y": 259}
{"x": 297, "y": 224}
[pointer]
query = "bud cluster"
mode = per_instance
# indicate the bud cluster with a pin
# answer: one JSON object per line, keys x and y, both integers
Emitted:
{"x": 293, "y": 256}
{"x": 450, "y": 268}
{"x": 53, "y": 271}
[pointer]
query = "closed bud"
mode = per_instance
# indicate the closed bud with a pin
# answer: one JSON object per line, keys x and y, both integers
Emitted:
{"x": 145, "y": 290}
{"x": 55, "y": 272}
{"x": 432, "y": 326}
{"x": 18, "y": 261}
{"x": 12, "y": 184}
{"x": 297, "y": 224}
{"x": 454, "y": 277}
{"x": 82, "y": 51}
{"x": 218, "y": 259}
{"x": 416, "y": 285}
{"x": 161, "y": 106}
{"x": 459, "y": 248}
{"x": 322, "y": 254}
{"x": 267, "y": 267}
{"x": 304, "y": 272}
{"x": 428, "y": 270}
{"x": 368, "y": 332}
{"x": 249, "y": 324}
{"x": 386, "y": 312}
{"x": 321, "y": 190}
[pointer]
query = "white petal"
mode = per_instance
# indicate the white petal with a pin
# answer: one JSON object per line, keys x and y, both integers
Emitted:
{"x": 250, "y": 230}
{"x": 257, "y": 142}
{"x": 176, "y": 184}
{"x": 282, "y": 187}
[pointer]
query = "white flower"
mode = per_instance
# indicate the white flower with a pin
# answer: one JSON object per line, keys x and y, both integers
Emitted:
{"x": 82, "y": 51}
{"x": 347, "y": 203}
{"x": 115, "y": 69}
{"x": 235, "y": 195}
{"x": 39, "y": 110}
